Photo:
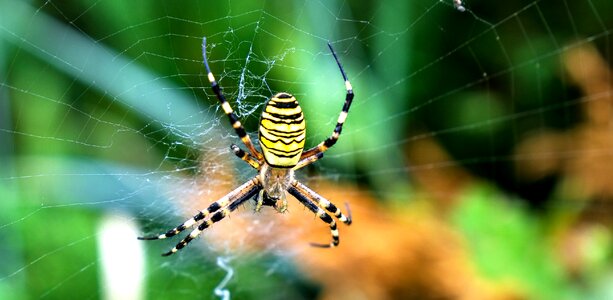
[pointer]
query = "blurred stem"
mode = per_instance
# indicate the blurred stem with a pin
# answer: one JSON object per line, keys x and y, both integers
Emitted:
{"x": 8, "y": 193}
{"x": 12, "y": 282}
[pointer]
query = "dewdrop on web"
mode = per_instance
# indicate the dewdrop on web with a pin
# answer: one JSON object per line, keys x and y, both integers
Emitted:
{"x": 458, "y": 5}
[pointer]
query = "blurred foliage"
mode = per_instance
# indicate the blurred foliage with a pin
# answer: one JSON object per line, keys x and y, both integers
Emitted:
{"x": 100, "y": 100}
{"x": 526, "y": 259}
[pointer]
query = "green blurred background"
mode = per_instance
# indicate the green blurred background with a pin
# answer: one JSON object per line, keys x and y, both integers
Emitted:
{"x": 105, "y": 110}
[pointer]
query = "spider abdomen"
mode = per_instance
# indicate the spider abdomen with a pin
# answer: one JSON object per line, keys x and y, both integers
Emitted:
{"x": 282, "y": 131}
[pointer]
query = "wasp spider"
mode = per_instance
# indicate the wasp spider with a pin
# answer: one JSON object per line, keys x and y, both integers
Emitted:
{"x": 281, "y": 136}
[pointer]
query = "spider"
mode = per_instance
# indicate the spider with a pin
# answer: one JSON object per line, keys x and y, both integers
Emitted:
{"x": 281, "y": 136}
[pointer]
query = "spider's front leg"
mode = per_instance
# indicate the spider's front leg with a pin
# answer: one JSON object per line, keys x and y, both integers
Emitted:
{"x": 245, "y": 156}
{"x": 236, "y": 124}
{"x": 315, "y": 153}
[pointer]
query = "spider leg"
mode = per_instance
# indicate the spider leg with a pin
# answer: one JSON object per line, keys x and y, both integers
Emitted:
{"x": 259, "y": 201}
{"x": 308, "y": 160}
{"x": 321, "y": 214}
{"x": 323, "y": 202}
{"x": 234, "y": 198}
{"x": 215, "y": 206}
{"x": 304, "y": 199}
{"x": 329, "y": 142}
{"x": 216, "y": 217}
{"x": 189, "y": 223}
{"x": 245, "y": 156}
{"x": 236, "y": 124}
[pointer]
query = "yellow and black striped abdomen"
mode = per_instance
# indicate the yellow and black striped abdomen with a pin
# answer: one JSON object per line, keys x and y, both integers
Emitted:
{"x": 282, "y": 131}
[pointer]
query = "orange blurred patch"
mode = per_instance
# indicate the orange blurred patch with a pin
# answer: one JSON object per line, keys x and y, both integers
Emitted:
{"x": 436, "y": 173}
{"x": 579, "y": 155}
{"x": 387, "y": 253}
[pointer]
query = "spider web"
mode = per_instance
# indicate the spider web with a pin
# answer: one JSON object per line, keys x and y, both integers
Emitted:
{"x": 109, "y": 130}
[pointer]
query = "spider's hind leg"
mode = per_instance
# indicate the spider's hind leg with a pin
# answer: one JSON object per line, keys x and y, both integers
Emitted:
{"x": 330, "y": 141}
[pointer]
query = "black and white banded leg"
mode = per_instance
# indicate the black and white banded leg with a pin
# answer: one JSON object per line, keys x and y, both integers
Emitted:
{"x": 236, "y": 124}
{"x": 329, "y": 142}
{"x": 245, "y": 156}
{"x": 324, "y": 203}
{"x": 304, "y": 199}
{"x": 217, "y": 211}
{"x": 308, "y": 160}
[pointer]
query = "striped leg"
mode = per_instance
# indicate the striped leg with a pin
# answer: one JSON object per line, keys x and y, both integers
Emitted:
{"x": 232, "y": 200}
{"x": 245, "y": 156}
{"x": 191, "y": 222}
{"x": 321, "y": 214}
{"x": 236, "y": 124}
{"x": 323, "y": 202}
{"x": 329, "y": 142}
{"x": 236, "y": 199}
{"x": 304, "y": 199}
{"x": 308, "y": 160}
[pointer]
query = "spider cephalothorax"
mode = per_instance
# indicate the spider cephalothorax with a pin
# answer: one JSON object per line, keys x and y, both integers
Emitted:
{"x": 275, "y": 182}
{"x": 281, "y": 137}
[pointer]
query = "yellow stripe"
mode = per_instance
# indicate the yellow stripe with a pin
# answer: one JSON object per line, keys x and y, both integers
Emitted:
{"x": 282, "y": 134}
{"x": 283, "y": 111}
{"x": 274, "y": 98}
{"x": 281, "y": 161}
{"x": 283, "y": 127}
{"x": 282, "y": 155}
{"x": 279, "y": 120}
{"x": 295, "y": 145}
{"x": 274, "y": 136}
